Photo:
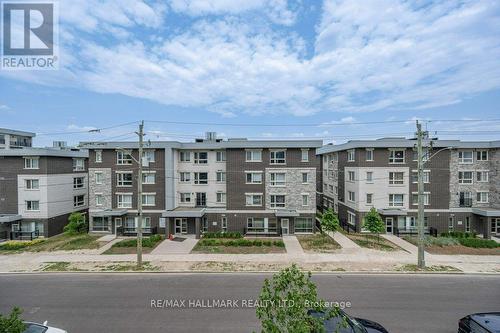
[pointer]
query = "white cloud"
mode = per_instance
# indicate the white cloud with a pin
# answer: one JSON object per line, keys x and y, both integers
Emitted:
{"x": 344, "y": 120}
{"x": 74, "y": 127}
{"x": 4, "y": 107}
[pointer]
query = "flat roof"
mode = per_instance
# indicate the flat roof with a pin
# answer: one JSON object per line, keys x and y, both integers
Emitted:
{"x": 56, "y": 152}
{"x": 6, "y": 218}
{"x": 493, "y": 212}
{"x": 184, "y": 212}
{"x": 406, "y": 143}
{"x": 16, "y": 132}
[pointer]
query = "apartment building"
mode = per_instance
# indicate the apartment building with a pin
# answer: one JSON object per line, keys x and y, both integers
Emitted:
{"x": 40, "y": 188}
{"x": 12, "y": 139}
{"x": 461, "y": 184}
{"x": 254, "y": 187}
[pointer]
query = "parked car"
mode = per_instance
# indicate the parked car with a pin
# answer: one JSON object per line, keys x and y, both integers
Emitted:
{"x": 480, "y": 323}
{"x": 41, "y": 328}
{"x": 354, "y": 325}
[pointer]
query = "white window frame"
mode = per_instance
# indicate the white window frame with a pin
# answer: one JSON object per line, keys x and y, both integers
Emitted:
{"x": 427, "y": 176}
{"x": 273, "y": 203}
{"x": 32, "y": 163}
{"x": 427, "y": 198}
{"x": 197, "y": 159}
{"x": 198, "y": 181}
{"x": 351, "y": 196}
{"x": 369, "y": 198}
{"x": 221, "y": 197}
{"x": 275, "y": 160}
{"x": 463, "y": 180}
{"x": 149, "y": 155}
{"x": 122, "y": 203}
{"x": 252, "y": 174}
{"x": 369, "y": 179}
{"x": 463, "y": 160}
{"x": 223, "y": 223}
{"x": 305, "y": 199}
{"x": 306, "y": 175}
{"x": 184, "y": 177}
{"x": 393, "y": 202}
{"x": 479, "y": 155}
{"x": 482, "y": 176}
{"x": 393, "y": 180}
{"x": 28, "y": 204}
{"x": 98, "y": 156}
{"x": 77, "y": 202}
{"x": 98, "y": 174}
{"x": 273, "y": 182}
{"x": 351, "y": 176}
{"x": 99, "y": 199}
{"x": 304, "y": 155}
{"x": 78, "y": 164}
{"x": 483, "y": 197}
{"x": 77, "y": 185}
{"x": 351, "y": 155}
{"x": 184, "y": 156}
{"x": 369, "y": 154}
{"x": 145, "y": 177}
{"x": 396, "y": 160}
{"x": 123, "y": 157}
{"x": 252, "y": 196}
{"x": 351, "y": 218}
{"x": 220, "y": 177}
{"x": 250, "y": 153}
{"x": 148, "y": 199}
{"x": 121, "y": 182}
{"x": 28, "y": 184}
{"x": 220, "y": 156}
{"x": 185, "y": 197}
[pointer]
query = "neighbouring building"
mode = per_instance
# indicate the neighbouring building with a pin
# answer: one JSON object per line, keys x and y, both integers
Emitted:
{"x": 39, "y": 187}
{"x": 461, "y": 181}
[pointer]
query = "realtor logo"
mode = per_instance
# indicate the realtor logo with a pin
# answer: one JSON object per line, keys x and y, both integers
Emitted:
{"x": 29, "y": 35}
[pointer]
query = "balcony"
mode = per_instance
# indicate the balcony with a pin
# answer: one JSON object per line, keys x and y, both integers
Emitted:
{"x": 24, "y": 234}
{"x": 465, "y": 202}
{"x": 132, "y": 231}
{"x": 257, "y": 231}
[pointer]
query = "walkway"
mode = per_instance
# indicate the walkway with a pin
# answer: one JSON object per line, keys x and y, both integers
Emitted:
{"x": 407, "y": 246}
{"x": 343, "y": 241}
{"x": 293, "y": 247}
{"x": 496, "y": 239}
{"x": 175, "y": 247}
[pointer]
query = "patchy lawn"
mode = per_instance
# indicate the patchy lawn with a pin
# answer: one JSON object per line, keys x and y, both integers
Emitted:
{"x": 239, "y": 246}
{"x": 449, "y": 245}
{"x": 129, "y": 246}
{"x": 61, "y": 242}
{"x": 318, "y": 242}
{"x": 373, "y": 242}
{"x": 434, "y": 268}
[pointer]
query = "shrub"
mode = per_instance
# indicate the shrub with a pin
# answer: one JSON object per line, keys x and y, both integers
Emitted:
{"x": 479, "y": 243}
{"x": 17, "y": 245}
{"x": 146, "y": 241}
{"x": 267, "y": 243}
{"x": 222, "y": 235}
{"x": 76, "y": 225}
{"x": 440, "y": 241}
{"x": 279, "y": 243}
{"x": 458, "y": 234}
{"x": 12, "y": 323}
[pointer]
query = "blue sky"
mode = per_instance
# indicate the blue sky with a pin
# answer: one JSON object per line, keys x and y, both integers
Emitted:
{"x": 264, "y": 62}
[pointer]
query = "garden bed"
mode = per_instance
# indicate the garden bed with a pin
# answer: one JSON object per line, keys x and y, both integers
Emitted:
{"x": 129, "y": 246}
{"x": 318, "y": 243}
{"x": 373, "y": 242}
{"x": 62, "y": 242}
{"x": 239, "y": 246}
{"x": 452, "y": 245}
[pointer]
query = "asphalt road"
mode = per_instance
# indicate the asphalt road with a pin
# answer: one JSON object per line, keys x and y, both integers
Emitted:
{"x": 122, "y": 302}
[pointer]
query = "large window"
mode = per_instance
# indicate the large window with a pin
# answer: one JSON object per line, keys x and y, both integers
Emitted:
{"x": 253, "y": 155}
{"x": 254, "y": 177}
{"x": 465, "y": 157}
{"x": 185, "y": 177}
{"x": 201, "y": 157}
{"x": 256, "y": 224}
{"x": 32, "y": 184}
{"x": 201, "y": 178}
{"x": 426, "y": 196}
{"x": 396, "y": 178}
{"x": 221, "y": 197}
{"x": 78, "y": 182}
{"x": 426, "y": 176}
{"x": 278, "y": 156}
{"x": 253, "y": 199}
{"x": 78, "y": 200}
{"x": 369, "y": 154}
{"x": 221, "y": 156}
{"x": 465, "y": 177}
{"x": 351, "y": 153}
{"x": 396, "y": 200}
{"x": 78, "y": 164}
{"x": 184, "y": 156}
{"x": 124, "y": 200}
{"x": 31, "y": 163}
{"x": 148, "y": 177}
{"x": 482, "y": 197}
{"x": 482, "y": 155}
{"x": 482, "y": 176}
{"x": 148, "y": 199}
{"x": 148, "y": 155}
{"x": 396, "y": 156}
{"x": 304, "y": 157}
{"x": 100, "y": 223}
{"x": 124, "y": 179}
{"x": 278, "y": 179}
{"x": 185, "y": 197}
{"x": 123, "y": 158}
{"x": 303, "y": 224}
{"x": 221, "y": 177}
{"x": 351, "y": 196}
{"x": 33, "y": 205}
{"x": 98, "y": 156}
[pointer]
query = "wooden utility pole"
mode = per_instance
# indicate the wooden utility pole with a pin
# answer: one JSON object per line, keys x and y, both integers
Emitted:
{"x": 139, "y": 196}
{"x": 420, "y": 218}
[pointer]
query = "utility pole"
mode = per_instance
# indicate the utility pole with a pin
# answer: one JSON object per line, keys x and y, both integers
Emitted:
{"x": 139, "y": 196}
{"x": 420, "y": 219}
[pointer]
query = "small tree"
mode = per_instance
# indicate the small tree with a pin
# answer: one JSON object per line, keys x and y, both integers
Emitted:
{"x": 329, "y": 221}
{"x": 285, "y": 303}
{"x": 12, "y": 323}
{"x": 373, "y": 223}
{"x": 76, "y": 225}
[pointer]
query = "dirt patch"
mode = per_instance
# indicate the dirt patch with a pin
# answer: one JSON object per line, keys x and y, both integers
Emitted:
{"x": 318, "y": 243}
{"x": 238, "y": 249}
{"x": 373, "y": 242}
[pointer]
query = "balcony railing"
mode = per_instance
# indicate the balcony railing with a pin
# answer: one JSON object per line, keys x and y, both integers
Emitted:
{"x": 465, "y": 202}
{"x": 257, "y": 231}
{"x": 24, "y": 235}
{"x": 133, "y": 231}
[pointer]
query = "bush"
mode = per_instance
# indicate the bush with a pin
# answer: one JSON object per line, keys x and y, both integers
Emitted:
{"x": 458, "y": 234}
{"x": 18, "y": 245}
{"x": 441, "y": 241}
{"x": 146, "y": 242}
{"x": 222, "y": 235}
{"x": 12, "y": 323}
{"x": 76, "y": 225}
{"x": 240, "y": 242}
{"x": 279, "y": 243}
{"x": 479, "y": 243}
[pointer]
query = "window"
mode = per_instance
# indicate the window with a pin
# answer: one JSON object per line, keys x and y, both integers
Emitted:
{"x": 305, "y": 199}
{"x": 465, "y": 157}
{"x": 425, "y": 155}
{"x": 278, "y": 178}
{"x": 78, "y": 182}
{"x": 254, "y": 156}
{"x": 201, "y": 157}
{"x": 256, "y": 224}
{"x": 351, "y": 155}
{"x": 185, "y": 177}
{"x": 32, "y": 184}
{"x": 351, "y": 218}
{"x": 224, "y": 223}
{"x": 148, "y": 177}
{"x": 450, "y": 223}
{"x": 336, "y": 190}
{"x": 351, "y": 196}
{"x": 482, "y": 197}
{"x": 99, "y": 199}
{"x": 185, "y": 197}
{"x": 303, "y": 224}
{"x": 465, "y": 177}
{"x": 221, "y": 156}
{"x": 31, "y": 162}
{"x": 185, "y": 156}
{"x": 278, "y": 157}
{"x": 369, "y": 176}
{"x": 98, "y": 178}
{"x": 78, "y": 200}
{"x": 369, "y": 198}
{"x": 254, "y": 177}
{"x": 98, "y": 156}
{"x": 32, "y": 205}
{"x": 221, "y": 177}
{"x": 482, "y": 176}
{"x": 277, "y": 201}
{"x": 351, "y": 175}
{"x": 78, "y": 164}
{"x": 124, "y": 179}
{"x": 221, "y": 197}
{"x": 396, "y": 156}
{"x": 201, "y": 178}
{"x": 305, "y": 177}
{"x": 148, "y": 155}
{"x": 99, "y": 223}
{"x": 253, "y": 199}
{"x": 123, "y": 158}
{"x": 426, "y": 176}
{"x": 414, "y": 198}
{"x": 148, "y": 199}
{"x": 482, "y": 155}
{"x": 304, "y": 157}
{"x": 396, "y": 200}
{"x": 369, "y": 154}
{"x": 124, "y": 200}
{"x": 396, "y": 178}
{"x": 467, "y": 224}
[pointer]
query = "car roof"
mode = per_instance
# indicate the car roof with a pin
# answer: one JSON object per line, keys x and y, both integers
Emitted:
{"x": 491, "y": 320}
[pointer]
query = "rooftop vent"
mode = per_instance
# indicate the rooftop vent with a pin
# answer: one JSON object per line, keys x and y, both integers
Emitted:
{"x": 211, "y": 136}
{"x": 59, "y": 144}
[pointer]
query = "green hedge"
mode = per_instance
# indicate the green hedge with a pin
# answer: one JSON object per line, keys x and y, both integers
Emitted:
{"x": 479, "y": 243}
{"x": 222, "y": 235}
{"x": 150, "y": 241}
{"x": 240, "y": 242}
{"x": 18, "y": 245}
{"x": 458, "y": 234}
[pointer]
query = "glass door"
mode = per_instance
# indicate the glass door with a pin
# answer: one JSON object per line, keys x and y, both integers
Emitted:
{"x": 285, "y": 224}
{"x": 181, "y": 226}
{"x": 388, "y": 224}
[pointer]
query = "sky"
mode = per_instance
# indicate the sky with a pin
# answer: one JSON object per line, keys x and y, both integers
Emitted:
{"x": 286, "y": 69}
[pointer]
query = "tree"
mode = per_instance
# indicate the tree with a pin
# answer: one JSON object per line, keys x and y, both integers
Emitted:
{"x": 373, "y": 223}
{"x": 285, "y": 302}
{"x": 76, "y": 225}
{"x": 12, "y": 323}
{"x": 329, "y": 221}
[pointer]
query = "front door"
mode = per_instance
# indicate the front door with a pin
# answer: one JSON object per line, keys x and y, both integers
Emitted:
{"x": 388, "y": 225}
{"x": 285, "y": 226}
{"x": 495, "y": 226}
{"x": 181, "y": 226}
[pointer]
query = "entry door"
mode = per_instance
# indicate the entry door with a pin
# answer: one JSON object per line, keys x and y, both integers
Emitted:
{"x": 181, "y": 226}
{"x": 388, "y": 225}
{"x": 285, "y": 225}
{"x": 495, "y": 226}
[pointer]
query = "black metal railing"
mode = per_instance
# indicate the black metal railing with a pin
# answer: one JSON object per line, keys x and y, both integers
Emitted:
{"x": 465, "y": 202}
{"x": 24, "y": 235}
{"x": 412, "y": 231}
{"x": 255, "y": 231}
{"x": 4, "y": 234}
{"x": 133, "y": 230}
{"x": 346, "y": 226}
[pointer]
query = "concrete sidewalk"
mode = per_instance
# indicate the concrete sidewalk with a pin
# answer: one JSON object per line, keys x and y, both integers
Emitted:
{"x": 407, "y": 246}
{"x": 175, "y": 247}
{"x": 343, "y": 240}
{"x": 293, "y": 248}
